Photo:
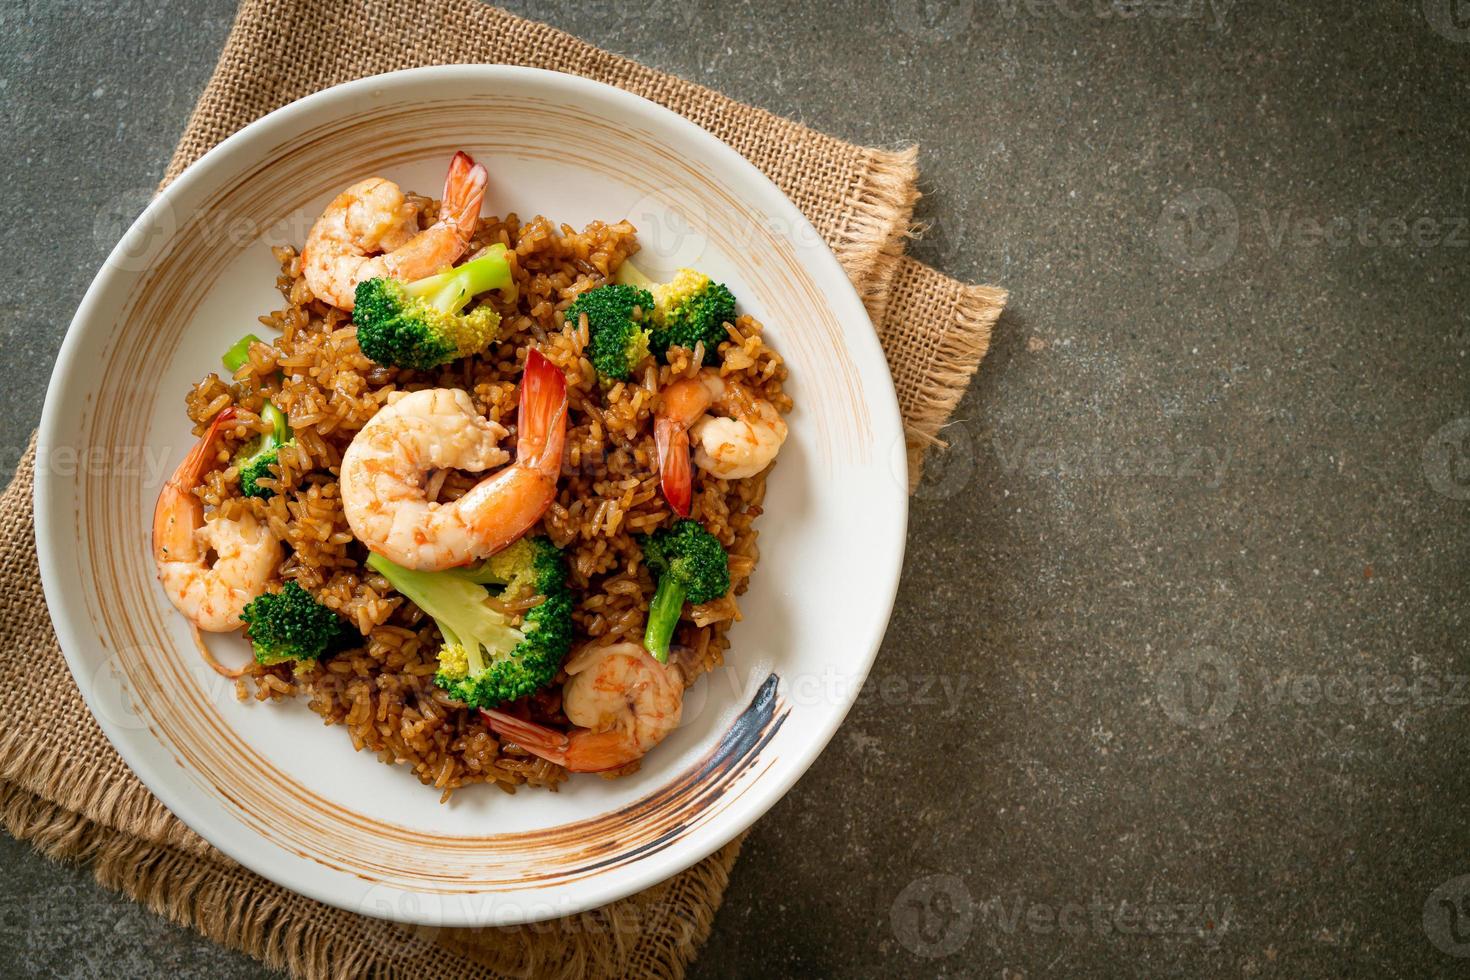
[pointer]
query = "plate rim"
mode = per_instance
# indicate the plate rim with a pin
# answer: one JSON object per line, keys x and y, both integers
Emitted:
{"x": 63, "y": 608}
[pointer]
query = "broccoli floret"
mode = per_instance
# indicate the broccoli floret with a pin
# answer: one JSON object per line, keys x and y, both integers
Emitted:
{"x": 291, "y": 625}
{"x": 688, "y": 309}
{"x": 692, "y": 566}
{"x": 419, "y": 324}
{"x": 262, "y": 453}
{"x": 616, "y": 314}
{"x": 485, "y": 661}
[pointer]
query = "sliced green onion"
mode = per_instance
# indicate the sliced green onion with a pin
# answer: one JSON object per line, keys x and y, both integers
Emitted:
{"x": 236, "y": 356}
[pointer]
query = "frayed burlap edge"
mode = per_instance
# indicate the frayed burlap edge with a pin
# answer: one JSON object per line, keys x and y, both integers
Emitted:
{"x": 100, "y": 814}
{"x": 182, "y": 889}
{"x": 976, "y": 312}
{"x": 242, "y": 911}
{"x": 636, "y": 936}
{"x": 876, "y": 226}
{"x": 934, "y": 371}
{"x": 27, "y": 761}
{"x": 113, "y": 805}
{"x": 135, "y": 846}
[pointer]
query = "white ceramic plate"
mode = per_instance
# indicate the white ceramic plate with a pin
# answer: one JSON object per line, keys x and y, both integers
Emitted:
{"x": 267, "y": 783}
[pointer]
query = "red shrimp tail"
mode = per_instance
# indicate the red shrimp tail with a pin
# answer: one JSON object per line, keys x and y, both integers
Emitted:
{"x": 600, "y": 751}
{"x": 187, "y": 476}
{"x": 464, "y": 192}
{"x": 540, "y": 741}
{"x": 541, "y": 421}
{"x": 676, "y": 475}
{"x": 177, "y": 493}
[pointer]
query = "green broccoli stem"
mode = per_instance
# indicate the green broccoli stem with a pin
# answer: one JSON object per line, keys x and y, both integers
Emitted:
{"x": 449, "y": 599}
{"x": 419, "y": 588}
{"x": 280, "y": 433}
{"x": 450, "y": 291}
{"x": 663, "y": 616}
{"x": 237, "y": 355}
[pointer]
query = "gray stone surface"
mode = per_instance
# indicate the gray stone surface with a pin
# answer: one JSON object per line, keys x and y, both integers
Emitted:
{"x": 1194, "y": 571}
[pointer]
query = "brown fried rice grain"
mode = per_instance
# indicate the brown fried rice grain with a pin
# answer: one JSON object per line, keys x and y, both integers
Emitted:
{"x": 383, "y": 692}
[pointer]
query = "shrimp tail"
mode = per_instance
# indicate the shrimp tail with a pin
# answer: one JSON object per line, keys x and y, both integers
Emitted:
{"x": 542, "y": 418}
{"x": 600, "y": 751}
{"x": 581, "y": 751}
{"x": 536, "y": 739}
{"x": 178, "y": 513}
{"x": 676, "y": 475}
{"x": 464, "y": 191}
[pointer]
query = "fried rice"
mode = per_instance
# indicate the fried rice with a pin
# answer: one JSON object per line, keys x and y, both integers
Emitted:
{"x": 383, "y": 693}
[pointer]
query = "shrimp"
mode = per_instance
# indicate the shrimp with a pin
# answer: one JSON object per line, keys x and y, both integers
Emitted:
{"x": 623, "y": 701}
{"x": 247, "y": 552}
{"x": 385, "y": 469}
{"x": 370, "y": 231}
{"x": 739, "y": 442}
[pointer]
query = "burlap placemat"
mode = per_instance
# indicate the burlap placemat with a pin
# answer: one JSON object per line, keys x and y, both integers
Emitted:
{"x": 63, "y": 787}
